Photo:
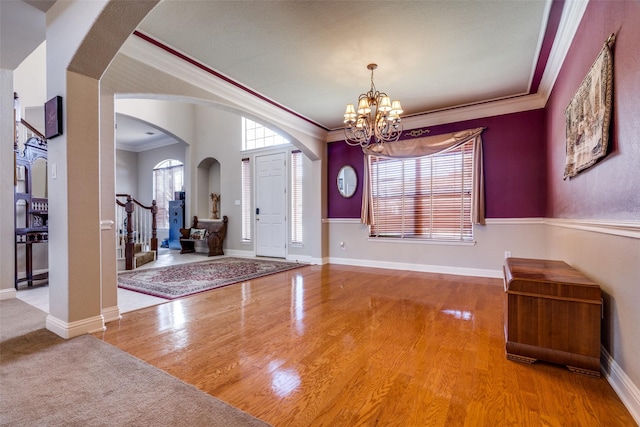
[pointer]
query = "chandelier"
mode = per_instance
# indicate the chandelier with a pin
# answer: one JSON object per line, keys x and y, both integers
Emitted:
{"x": 377, "y": 118}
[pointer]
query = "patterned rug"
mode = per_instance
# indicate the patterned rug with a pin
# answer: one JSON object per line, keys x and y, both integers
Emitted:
{"x": 187, "y": 279}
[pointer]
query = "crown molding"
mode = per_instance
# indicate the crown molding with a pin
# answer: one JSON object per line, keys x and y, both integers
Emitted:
{"x": 225, "y": 92}
{"x": 145, "y": 146}
{"x": 144, "y": 48}
{"x": 460, "y": 114}
{"x": 569, "y": 22}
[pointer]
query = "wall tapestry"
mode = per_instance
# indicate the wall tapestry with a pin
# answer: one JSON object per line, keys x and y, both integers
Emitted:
{"x": 589, "y": 115}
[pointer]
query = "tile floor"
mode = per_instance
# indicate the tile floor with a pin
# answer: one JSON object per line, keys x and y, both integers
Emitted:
{"x": 38, "y": 295}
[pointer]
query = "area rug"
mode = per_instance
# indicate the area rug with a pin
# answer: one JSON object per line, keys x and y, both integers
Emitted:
{"x": 49, "y": 381}
{"x": 187, "y": 279}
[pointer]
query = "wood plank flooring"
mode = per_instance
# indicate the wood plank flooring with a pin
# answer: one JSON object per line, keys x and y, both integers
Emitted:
{"x": 348, "y": 346}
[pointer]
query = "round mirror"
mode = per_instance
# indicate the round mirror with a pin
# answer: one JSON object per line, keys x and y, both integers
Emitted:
{"x": 347, "y": 181}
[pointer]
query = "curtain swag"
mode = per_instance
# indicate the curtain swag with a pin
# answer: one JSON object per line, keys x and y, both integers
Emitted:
{"x": 422, "y": 147}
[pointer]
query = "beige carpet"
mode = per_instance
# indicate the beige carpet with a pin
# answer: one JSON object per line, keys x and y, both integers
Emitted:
{"x": 48, "y": 381}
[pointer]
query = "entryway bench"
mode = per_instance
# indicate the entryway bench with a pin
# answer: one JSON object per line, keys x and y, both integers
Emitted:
{"x": 212, "y": 231}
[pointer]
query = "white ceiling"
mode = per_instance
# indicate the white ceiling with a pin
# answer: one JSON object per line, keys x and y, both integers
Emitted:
{"x": 311, "y": 56}
{"x": 22, "y": 29}
{"x": 136, "y": 135}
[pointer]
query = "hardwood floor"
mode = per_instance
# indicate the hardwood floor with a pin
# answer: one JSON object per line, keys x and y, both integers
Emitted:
{"x": 347, "y": 346}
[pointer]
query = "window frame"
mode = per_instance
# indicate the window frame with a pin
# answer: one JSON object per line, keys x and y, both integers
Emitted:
{"x": 256, "y": 136}
{"x": 408, "y": 218}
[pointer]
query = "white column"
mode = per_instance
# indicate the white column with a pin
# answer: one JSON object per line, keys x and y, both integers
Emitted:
{"x": 77, "y": 55}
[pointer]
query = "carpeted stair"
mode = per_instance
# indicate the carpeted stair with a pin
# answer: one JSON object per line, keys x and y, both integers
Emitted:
{"x": 141, "y": 258}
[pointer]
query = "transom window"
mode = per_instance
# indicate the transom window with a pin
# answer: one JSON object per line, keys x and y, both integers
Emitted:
{"x": 425, "y": 198}
{"x": 255, "y": 135}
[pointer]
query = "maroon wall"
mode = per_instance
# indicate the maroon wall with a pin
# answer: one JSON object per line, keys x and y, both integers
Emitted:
{"x": 611, "y": 188}
{"x": 514, "y": 166}
{"x": 341, "y": 154}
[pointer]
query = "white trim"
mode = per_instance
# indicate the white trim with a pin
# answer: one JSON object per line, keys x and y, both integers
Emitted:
{"x": 341, "y": 220}
{"x": 319, "y": 261}
{"x": 489, "y": 221}
{"x": 514, "y": 221}
{"x": 239, "y": 253}
{"x": 142, "y": 51}
{"x": 626, "y": 390}
{"x": 304, "y": 259}
{"x": 111, "y": 313}
{"x": 139, "y": 147}
{"x": 541, "y": 36}
{"x": 8, "y": 294}
{"x": 459, "y": 114}
{"x": 77, "y": 328}
{"x": 419, "y": 241}
{"x": 106, "y": 224}
{"x": 424, "y": 268}
{"x": 617, "y": 228}
{"x": 569, "y": 23}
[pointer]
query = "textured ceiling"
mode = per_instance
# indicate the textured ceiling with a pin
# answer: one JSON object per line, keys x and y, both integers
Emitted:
{"x": 311, "y": 56}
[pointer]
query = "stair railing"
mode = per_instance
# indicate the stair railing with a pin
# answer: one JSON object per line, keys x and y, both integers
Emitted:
{"x": 136, "y": 226}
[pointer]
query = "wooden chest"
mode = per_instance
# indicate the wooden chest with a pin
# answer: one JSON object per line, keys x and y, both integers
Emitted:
{"x": 552, "y": 313}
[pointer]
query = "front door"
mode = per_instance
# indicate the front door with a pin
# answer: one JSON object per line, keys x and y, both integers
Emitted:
{"x": 271, "y": 206}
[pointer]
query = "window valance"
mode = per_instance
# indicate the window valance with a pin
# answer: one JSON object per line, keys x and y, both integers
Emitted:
{"x": 428, "y": 146}
{"x": 420, "y": 147}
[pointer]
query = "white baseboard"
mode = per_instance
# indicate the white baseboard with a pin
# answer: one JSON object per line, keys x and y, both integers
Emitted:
{"x": 74, "y": 329}
{"x": 22, "y": 275}
{"x": 304, "y": 259}
{"x": 239, "y": 253}
{"x": 110, "y": 314}
{"x": 626, "y": 390}
{"x": 442, "y": 269}
{"x": 8, "y": 293}
{"x": 319, "y": 261}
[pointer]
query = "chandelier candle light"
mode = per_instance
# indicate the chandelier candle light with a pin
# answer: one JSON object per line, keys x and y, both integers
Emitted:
{"x": 377, "y": 118}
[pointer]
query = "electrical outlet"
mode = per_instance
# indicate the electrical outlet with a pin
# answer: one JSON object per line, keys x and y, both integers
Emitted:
{"x": 507, "y": 254}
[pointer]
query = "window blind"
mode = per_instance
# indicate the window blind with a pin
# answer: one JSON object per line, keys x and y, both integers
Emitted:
{"x": 296, "y": 197}
{"x": 246, "y": 200}
{"x": 167, "y": 179}
{"x": 427, "y": 197}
